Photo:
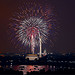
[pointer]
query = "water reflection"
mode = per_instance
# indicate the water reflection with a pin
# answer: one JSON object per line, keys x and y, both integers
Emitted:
{"x": 30, "y": 68}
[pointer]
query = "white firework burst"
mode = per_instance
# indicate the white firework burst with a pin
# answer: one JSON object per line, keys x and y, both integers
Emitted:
{"x": 32, "y": 25}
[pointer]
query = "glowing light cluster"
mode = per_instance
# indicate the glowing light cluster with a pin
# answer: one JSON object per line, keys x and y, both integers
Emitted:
{"x": 32, "y": 26}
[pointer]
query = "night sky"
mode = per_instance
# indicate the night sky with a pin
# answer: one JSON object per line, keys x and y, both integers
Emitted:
{"x": 65, "y": 10}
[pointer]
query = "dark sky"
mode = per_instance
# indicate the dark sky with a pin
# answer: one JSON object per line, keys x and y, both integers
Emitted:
{"x": 66, "y": 16}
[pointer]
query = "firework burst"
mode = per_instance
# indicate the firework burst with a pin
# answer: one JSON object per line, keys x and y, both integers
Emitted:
{"x": 33, "y": 21}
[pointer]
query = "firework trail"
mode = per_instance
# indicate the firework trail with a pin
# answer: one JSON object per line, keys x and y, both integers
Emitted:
{"x": 33, "y": 21}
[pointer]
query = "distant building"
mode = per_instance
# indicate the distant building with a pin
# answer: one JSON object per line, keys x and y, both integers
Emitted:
{"x": 44, "y": 53}
{"x": 32, "y": 57}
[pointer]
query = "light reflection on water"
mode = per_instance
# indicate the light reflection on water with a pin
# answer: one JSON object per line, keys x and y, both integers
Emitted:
{"x": 29, "y": 68}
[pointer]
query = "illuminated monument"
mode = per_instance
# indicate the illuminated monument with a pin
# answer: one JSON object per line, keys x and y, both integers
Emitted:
{"x": 34, "y": 56}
